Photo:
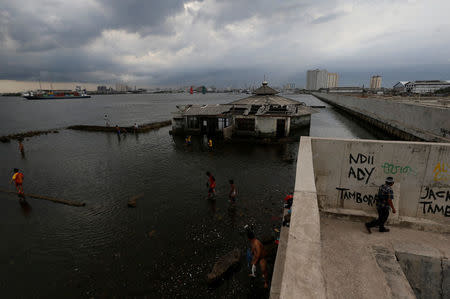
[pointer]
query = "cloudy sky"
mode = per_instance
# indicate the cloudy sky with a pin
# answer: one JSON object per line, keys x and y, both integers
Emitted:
{"x": 223, "y": 42}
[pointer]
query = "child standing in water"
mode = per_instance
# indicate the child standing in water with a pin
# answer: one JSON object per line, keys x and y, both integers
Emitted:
{"x": 18, "y": 180}
{"x": 211, "y": 184}
{"x": 233, "y": 192}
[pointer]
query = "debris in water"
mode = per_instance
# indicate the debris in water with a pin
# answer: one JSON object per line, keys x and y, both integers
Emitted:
{"x": 132, "y": 201}
{"x": 223, "y": 265}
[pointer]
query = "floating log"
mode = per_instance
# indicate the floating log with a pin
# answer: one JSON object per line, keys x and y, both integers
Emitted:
{"x": 132, "y": 201}
{"x": 319, "y": 106}
{"x": 21, "y": 136}
{"x": 62, "y": 201}
{"x": 141, "y": 128}
{"x": 223, "y": 265}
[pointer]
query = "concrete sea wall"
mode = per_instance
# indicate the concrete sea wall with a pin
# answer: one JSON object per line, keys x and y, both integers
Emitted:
{"x": 349, "y": 172}
{"x": 407, "y": 121}
{"x": 298, "y": 269}
{"x": 342, "y": 176}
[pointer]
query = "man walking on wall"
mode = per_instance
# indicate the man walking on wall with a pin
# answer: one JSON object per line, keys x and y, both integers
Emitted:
{"x": 384, "y": 202}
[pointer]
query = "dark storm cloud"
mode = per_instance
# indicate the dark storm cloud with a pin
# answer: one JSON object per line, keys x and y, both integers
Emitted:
{"x": 219, "y": 42}
{"x": 231, "y": 11}
{"x": 50, "y": 24}
{"x": 145, "y": 17}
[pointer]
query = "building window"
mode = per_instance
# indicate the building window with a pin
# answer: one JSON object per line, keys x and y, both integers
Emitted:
{"x": 192, "y": 122}
{"x": 223, "y": 123}
{"x": 245, "y": 124}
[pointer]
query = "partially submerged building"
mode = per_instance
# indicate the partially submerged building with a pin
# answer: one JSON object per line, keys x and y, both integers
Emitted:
{"x": 264, "y": 114}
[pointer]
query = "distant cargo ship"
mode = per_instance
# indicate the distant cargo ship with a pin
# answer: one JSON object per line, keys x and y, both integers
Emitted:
{"x": 56, "y": 94}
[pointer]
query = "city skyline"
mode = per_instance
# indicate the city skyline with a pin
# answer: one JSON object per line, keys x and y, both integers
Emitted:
{"x": 178, "y": 43}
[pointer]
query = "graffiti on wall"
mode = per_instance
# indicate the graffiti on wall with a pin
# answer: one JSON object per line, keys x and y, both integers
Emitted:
{"x": 361, "y": 167}
{"x": 435, "y": 201}
{"x": 441, "y": 172}
{"x": 390, "y": 168}
{"x": 358, "y": 197}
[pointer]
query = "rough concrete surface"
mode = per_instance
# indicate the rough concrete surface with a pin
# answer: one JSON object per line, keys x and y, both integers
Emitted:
{"x": 446, "y": 277}
{"x": 348, "y": 261}
{"x": 395, "y": 278}
{"x": 423, "y": 267}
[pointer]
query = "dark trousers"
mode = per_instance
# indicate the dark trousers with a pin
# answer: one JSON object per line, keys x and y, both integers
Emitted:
{"x": 383, "y": 214}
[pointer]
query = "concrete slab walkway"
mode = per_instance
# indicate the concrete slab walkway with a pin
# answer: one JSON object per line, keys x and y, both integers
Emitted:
{"x": 349, "y": 260}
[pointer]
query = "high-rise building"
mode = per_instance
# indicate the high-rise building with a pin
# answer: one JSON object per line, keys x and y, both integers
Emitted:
{"x": 316, "y": 79}
{"x": 375, "y": 82}
{"x": 102, "y": 89}
{"x": 289, "y": 86}
{"x": 333, "y": 79}
{"x": 120, "y": 87}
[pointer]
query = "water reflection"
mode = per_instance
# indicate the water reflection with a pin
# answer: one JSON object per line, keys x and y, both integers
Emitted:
{"x": 25, "y": 207}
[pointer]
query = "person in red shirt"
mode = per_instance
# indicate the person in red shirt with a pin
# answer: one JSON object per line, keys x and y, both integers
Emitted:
{"x": 288, "y": 200}
{"x": 18, "y": 180}
{"x": 211, "y": 184}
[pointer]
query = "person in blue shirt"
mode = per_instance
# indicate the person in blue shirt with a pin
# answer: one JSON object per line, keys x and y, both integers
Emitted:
{"x": 384, "y": 202}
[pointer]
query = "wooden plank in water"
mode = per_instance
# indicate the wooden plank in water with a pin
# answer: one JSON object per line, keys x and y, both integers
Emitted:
{"x": 62, "y": 201}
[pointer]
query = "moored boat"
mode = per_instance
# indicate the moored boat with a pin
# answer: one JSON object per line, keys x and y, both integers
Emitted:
{"x": 56, "y": 94}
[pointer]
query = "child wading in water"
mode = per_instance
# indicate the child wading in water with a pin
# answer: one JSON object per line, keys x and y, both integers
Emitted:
{"x": 211, "y": 184}
{"x": 233, "y": 192}
{"x": 18, "y": 180}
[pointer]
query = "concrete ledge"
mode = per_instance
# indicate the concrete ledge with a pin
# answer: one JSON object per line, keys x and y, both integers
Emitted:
{"x": 277, "y": 277}
{"x": 406, "y": 222}
{"x": 302, "y": 275}
{"x": 395, "y": 278}
{"x": 423, "y": 266}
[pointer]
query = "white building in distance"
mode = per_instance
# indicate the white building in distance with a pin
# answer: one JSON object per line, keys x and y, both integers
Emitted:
{"x": 120, "y": 87}
{"x": 422, "y": 86}
{"x": 375, "y": 82}
{"x": 316, "y": 79}
{"x": 429, "y": 86}
{"x": 332, "y": 80}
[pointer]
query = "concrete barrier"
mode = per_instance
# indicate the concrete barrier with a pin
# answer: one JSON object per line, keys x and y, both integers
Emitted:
{"x": 349, "y": 172}
{"x": 342, "y": 176}
{"x": 405, "y": 120}
{"x": 301, "y": 273}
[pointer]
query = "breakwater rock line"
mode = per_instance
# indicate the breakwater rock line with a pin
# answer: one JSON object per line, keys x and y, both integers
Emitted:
{"x": 141, "y": 128}
{"x": 21, "y": 136}
{"x": 57, "y": 200}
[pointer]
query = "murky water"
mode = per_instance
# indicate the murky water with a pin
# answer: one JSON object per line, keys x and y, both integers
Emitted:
{"x": 167, "y": 244}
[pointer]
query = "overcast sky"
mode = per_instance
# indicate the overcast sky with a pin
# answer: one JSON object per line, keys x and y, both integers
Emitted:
{"x": 223, "y": 43}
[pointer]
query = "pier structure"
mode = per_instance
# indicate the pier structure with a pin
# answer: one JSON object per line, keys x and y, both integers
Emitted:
{"x": 407, "y": 118}
{"x": 326, "y": 251}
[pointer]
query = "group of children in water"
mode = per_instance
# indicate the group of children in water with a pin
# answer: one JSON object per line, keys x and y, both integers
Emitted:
{"x": 188, "y": 141}
{"x": 211, "y": 184}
